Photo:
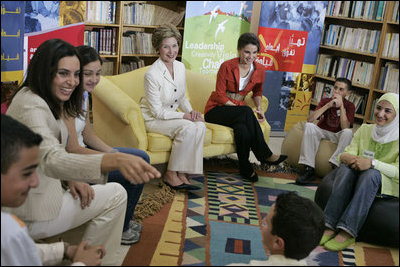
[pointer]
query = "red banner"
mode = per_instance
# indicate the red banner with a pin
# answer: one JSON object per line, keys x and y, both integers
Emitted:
{"x": 71, "y": 33}
{"x": 282, "y": 50}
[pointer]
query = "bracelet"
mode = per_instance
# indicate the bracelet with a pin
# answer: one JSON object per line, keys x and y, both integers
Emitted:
{"x": 113, "y": 150}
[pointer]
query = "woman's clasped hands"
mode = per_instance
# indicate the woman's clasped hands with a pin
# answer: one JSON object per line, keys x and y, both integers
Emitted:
{"x": 193, "y": 116}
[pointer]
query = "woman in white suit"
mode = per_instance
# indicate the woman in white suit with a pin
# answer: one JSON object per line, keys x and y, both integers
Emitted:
{"x": 165, "y": 87}
{"x": 51, "y": 91}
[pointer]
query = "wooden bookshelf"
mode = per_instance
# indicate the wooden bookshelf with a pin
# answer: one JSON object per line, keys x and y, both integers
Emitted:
{"x": 120, "y": 28}
{"x": 371, "y": 90}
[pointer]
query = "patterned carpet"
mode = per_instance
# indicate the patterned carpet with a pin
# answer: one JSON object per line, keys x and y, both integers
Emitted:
{"x": 220, "y": 224}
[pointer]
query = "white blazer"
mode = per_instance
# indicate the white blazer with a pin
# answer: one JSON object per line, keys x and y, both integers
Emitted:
{"x": 44, "y": 202}
{"x": 164, "y": 95}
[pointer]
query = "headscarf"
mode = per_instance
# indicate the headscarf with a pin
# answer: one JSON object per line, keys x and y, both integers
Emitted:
{"x": 389, "y": 132}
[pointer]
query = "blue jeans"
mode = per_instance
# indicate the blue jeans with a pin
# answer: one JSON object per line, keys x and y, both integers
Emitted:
{"x": 133, "y": 191}
{"x": 353, "y": 193}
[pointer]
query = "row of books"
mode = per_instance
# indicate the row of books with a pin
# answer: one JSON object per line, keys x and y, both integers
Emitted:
{"x": 107, "y": 68}
{"x": 132, "y": 65}
{"x": 103, "y": 40}
{"x": 148, "y": 14}
{"x": 325, "y": 90}
{"x": 358, "y": 72}
{"x": 370, "y": 10}
{"x": 101, "y": 12}
{"x": 358, "y": 39}
{"x": 395, "y": 15}
{"x": 389, "y": 78}
{"x": 137, "y": 43}
{"x": 391, "y": 46}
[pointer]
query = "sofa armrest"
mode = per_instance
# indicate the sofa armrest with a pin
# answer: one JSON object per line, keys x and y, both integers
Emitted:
{"x": 125, "y": 109}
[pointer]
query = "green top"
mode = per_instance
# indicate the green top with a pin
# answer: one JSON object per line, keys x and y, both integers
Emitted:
{"x": 386, "y": 156}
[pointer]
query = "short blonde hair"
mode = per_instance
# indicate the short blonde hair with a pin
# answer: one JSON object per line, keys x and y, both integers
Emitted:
{"x": 163, "y": 32}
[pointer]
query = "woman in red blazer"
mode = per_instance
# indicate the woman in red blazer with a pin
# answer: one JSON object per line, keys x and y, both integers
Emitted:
{"x": 236, "y": 78}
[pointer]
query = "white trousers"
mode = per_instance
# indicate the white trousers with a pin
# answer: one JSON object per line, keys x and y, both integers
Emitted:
{"x": 311, "y": 138}
{"x": 105, "y": 217}
{"x": 187, "y": 147}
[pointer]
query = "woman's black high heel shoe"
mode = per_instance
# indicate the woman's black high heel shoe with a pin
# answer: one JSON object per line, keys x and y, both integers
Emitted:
{"x": 253, "y": 178}
{"x": 182, "y": 186}
{"x": 276, "y": 162}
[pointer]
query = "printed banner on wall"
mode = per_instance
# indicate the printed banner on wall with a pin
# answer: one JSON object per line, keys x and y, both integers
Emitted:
{"x": 212, "y": 29}
{"x": 289, "y": 33}
{"x": 71, "y": 33}
{"x": 12, "y": 38}
{"x": 282, "y": 50}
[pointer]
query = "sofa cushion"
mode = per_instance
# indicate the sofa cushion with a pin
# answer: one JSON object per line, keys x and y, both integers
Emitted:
{"x": 221, "y": 134}
{"x": 158, "y": 142}
{"x": 207, "y": 137}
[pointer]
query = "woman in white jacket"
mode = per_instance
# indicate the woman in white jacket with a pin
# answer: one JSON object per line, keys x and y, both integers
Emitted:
{"x": 165, "y": 87}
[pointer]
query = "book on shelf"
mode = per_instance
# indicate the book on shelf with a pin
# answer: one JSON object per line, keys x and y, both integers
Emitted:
{"x": 102, "y": 40}
{"x": 134, "y": 42}
{"x": 370, "y": 10}
{"x": 357, "y": 39}
{"x": 107, "y": 68}
{"x": 391, "y": 45}
{"x": 100, "y": 12}
{"x": 134, "y": 64}
{"x": 395, "y": 15}
{"x": 389, "y": 78}
{"x": 149, "y": 14}
{"x": 359, "y": 72}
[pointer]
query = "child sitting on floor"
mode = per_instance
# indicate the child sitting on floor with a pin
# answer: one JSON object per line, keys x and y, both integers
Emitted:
{"x": 291, "y": 230}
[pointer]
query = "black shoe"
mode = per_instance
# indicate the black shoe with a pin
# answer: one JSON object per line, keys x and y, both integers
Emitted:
{"x": 306, "y": 177}
{"x": 276, "y": 162}
{"x": 183, "y": 186}
{"x": 253, "y": 178}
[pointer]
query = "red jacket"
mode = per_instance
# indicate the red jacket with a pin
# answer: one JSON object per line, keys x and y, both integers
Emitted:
{"x": 228, "y": 78}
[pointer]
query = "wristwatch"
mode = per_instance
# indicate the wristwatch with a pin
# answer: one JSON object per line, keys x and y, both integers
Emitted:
{"x": 373, "y": 163}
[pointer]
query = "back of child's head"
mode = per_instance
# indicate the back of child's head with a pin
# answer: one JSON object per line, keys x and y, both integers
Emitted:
{"x": 299, "y": 222}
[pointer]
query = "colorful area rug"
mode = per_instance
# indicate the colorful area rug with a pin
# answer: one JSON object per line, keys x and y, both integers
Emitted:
{"x": 220, "y": 224}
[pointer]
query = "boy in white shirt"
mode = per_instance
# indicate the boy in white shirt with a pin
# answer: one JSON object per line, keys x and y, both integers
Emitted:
{"x": 19, "y": 160}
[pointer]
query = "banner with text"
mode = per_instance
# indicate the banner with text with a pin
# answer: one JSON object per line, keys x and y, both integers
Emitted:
{"x": 212, "y": 29}
{"x": 12, "y": 38}
{"x": 73, "y": 34}
{"x": 289, "y": 33}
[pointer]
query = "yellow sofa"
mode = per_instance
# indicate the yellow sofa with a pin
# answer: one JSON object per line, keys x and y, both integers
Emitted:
{"x": 118, "y": 121}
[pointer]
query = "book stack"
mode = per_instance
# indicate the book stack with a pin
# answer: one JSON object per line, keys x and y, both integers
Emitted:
{"x": 134, "y": 42}
{"x": 357, "y": 39}
{"x": 389, "y": 78}
{"x": 103, "y": 40}
{"x": 107, "y": 68}
{"x": 370, "y": 10}
{"x": 100, "y": 12}
{"x": 391, "y": 46}
{"x": 148, "y": 14}
{"x": 132, "y": 65}
{"x": 358, "y": 72}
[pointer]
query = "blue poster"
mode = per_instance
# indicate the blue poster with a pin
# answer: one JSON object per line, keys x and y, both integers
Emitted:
{"x": 289, "y": 99}
{"x": 41, "y": 15}
{"x": 12, "y": 40}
